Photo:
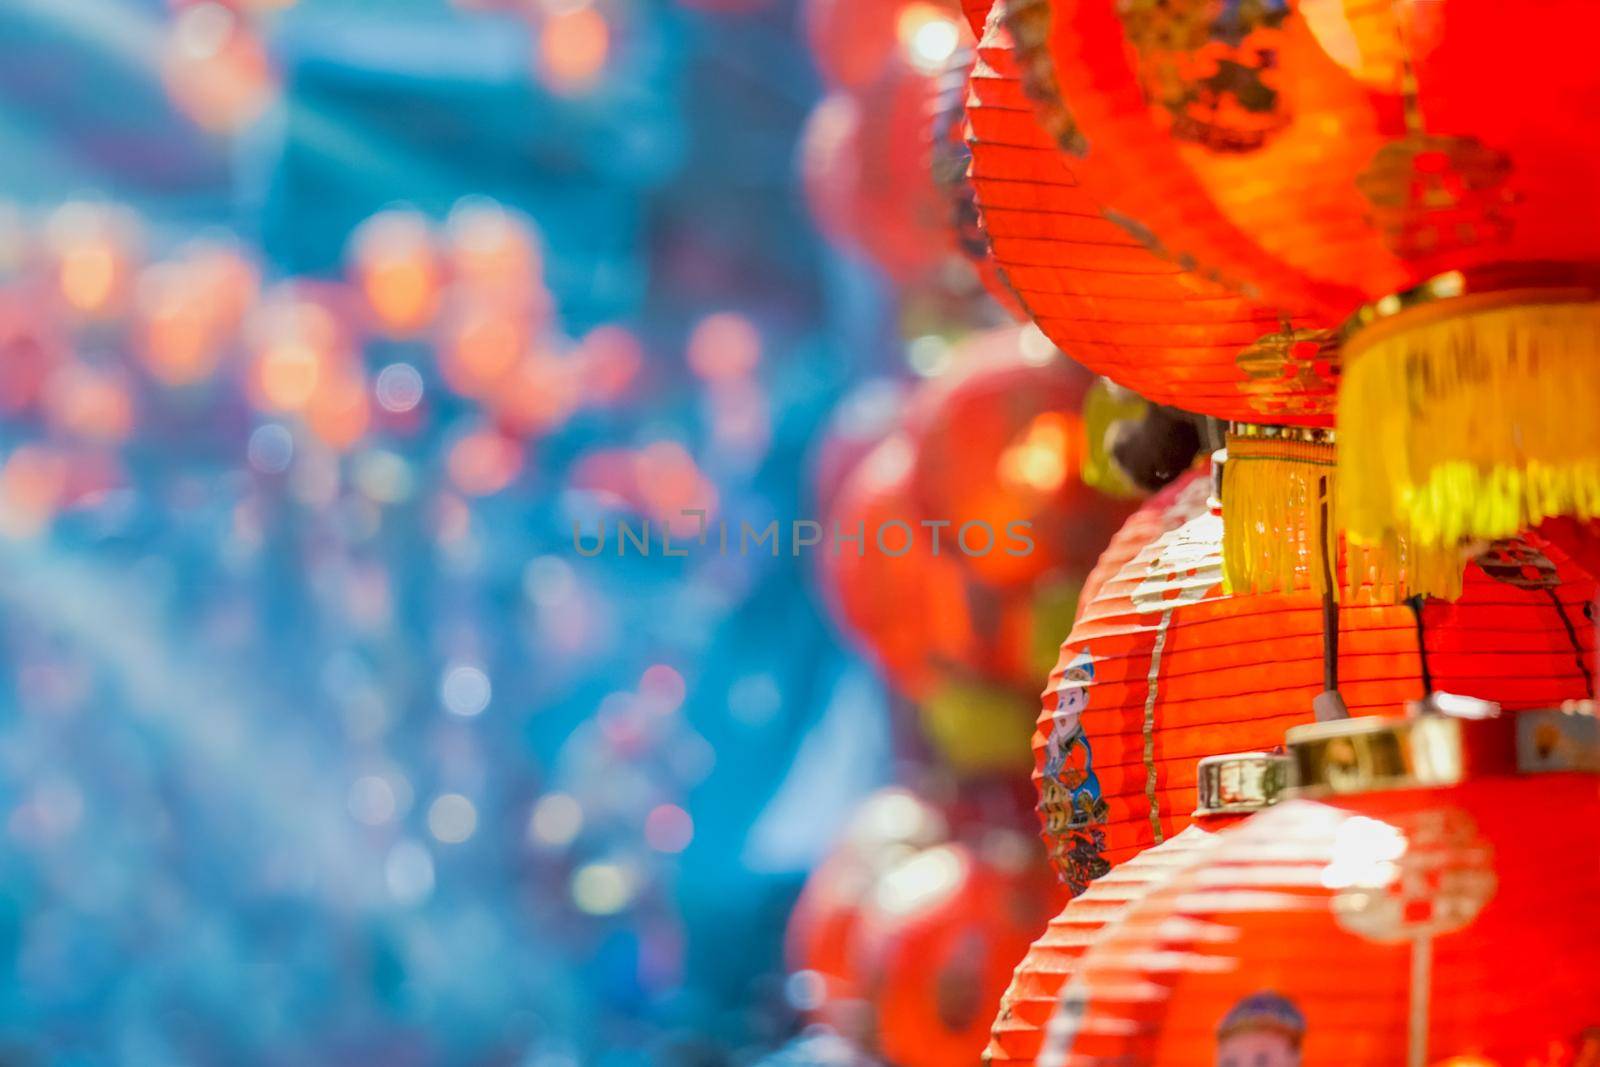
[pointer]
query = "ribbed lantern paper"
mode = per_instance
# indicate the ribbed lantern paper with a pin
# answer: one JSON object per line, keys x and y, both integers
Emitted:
{"x": 1420, "y": 174}
{"x": 1107, "y": 300}
{"x": 1238, "y": 785}
{"x": 1163, "y": 668}
{"x": 1421, "y": 925}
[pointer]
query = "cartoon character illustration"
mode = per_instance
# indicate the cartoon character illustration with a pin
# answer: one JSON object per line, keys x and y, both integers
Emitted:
{"x": 1263, "y": 1030}
{"x": 1069, "y": 761}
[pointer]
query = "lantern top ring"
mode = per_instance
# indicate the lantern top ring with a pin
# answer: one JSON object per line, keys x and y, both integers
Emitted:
{"x": 1241, "y": 782}
{"x": 1435, "y": 750}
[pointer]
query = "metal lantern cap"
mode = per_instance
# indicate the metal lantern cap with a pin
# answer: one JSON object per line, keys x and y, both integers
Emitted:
{"x": 1238, "y": 783}
{"x": 1445, "y": 741}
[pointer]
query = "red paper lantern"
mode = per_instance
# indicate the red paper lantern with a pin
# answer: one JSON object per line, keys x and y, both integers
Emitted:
{"x": 936, "y": 945}
{"x": 1231, "y": 787}
{"x": 890, "y": 826}
{"x": 1110, "y": 302}
{"x": 854, "y": 40}
{"x": 1340, "y": 157}
{"x": 1000, "y": 440}
{"x": 1422, "y": 911}
{"x": 864, "y": 163}
{"x": 1163, "y": 668}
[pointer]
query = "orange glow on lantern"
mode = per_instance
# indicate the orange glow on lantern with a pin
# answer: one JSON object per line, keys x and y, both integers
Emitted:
{"x": 339, "y": 410}
{"x": 93, "y": 403}
{"x": 32, "y": 485}
{"x": 610, "y": 358}
{"x": 393, "y": 259}
{"x": 493, "y": 255}
{"x": 538, "y": 395}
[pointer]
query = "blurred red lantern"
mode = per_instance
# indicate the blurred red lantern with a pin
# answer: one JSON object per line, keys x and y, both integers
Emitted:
{"x": 868, "y": 413}
{"x": 482, "y": 343}
{"x": 297, "y": 340}
{"x": 889, "y": 826}
{"x": 1333, "y": 155}
{"x": 936, "y": 944}
{"x": 854, "y": 40}
{"x": 30, "y": 348}
{"x": 190, "y": 309}
{"x": 1163, "y": 667}
{"x": 907, "y": 605}
{"x": 1230, "y": 788}
{"x": 95, "y": 403}
{"x": 1107, "y": 300}
{"x": 340, "y": 409}
{"x": 1000, "y": 441}
{"x": 1419, "y": 913}
{"x": 494, "y": 257}
{"x": 393, "y": 261}
{"x": 864, "y": 162}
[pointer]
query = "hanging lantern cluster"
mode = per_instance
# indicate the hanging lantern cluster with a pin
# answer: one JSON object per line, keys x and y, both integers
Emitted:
{"x": 1410, "y": 905}
{"x": 1164, "y": 667}
{"x": 1350, "y": 166}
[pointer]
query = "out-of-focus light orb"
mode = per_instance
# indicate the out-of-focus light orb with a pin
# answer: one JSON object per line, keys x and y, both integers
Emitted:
{"x": 396, "y": 266}
{"x": 94, "y": 249}
{"x": 465, "y": 690}
{"x": 724, "y": 346}
{"x": 216, "y": 69}
{"x": 573, "y": 46}
{"x": 668, "y": 828}
{"x": 557, "y": 819}
{"x": 94, "y": 403}
{"x": 452, "y": 818}
{"x": 371, "y": 800}
{"x": 271, "y": 448}
{"x": 408, "y": 872}
{"x": 669, "y": 483}
{"x": 483, "y": 342}
{"x": 661, "y": 688}
{"x": 923, "y": 881}
{"x": 805, "y": 991}
{"x": 339, "y": 411}
{"x": 548, "y": 581}
{"x": 33, "y": 483}
{"x": 384, "y": 476}
{"x": 179, "y": 336}
{"x": 295, "y": 341}
{"x": 1043, "y": 456}
{"x": 602, "y": 888}
{"x": 484, "y": 462}
{"x": 930, "y": 355}
{"x": 399, "y": 388}
{"x": 610, "y": 357}
{"x": 928, "y": 36}
{"x": 492, "y": 253}
{"x": 538, "y": 396}
{"x": 1037, "y": 349}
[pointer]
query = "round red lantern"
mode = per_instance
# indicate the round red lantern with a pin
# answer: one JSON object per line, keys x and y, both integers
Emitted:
{"x": 937, "y": 941}
{"x": 890, "y": 826}
{"x": 1419, "y": 910}
{"x": 1164, "y": 667}
{"x": 854, "y": 40}
{"x": 1230, "y": 788}
{"x": 1352, "y": 162}
{"x": 1000, "y": 442}
{"x": 864, "y": 163}
{"x": 1110, "y": 302}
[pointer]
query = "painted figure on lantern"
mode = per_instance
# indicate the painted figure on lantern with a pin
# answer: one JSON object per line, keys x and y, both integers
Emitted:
{"x": 1070, "y": 792}
{"x": 1262, "y": 1030}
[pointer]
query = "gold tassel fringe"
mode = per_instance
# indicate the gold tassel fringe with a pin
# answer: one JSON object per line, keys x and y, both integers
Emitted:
{"x": 1280, "y": 532}
{"x": 1470, "y": 419}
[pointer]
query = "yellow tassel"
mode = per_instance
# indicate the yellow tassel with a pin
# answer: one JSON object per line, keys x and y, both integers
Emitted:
{"x": 1470, "y": 419}
{"x": 1280, "y": 532}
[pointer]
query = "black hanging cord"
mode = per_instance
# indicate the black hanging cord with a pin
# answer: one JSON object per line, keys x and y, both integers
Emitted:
{"x": 1415, "y": 603}
{"x": 1572, "y": 635}
{"x": 1330, "y": 606}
